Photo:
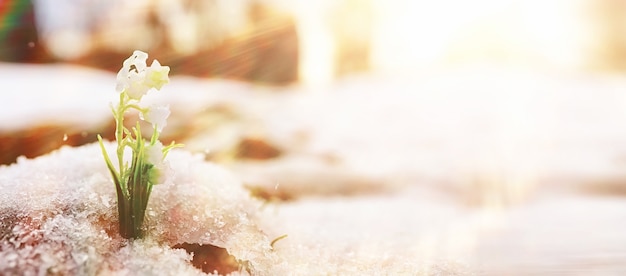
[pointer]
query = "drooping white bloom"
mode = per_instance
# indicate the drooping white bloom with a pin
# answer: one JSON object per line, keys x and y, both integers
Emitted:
{"x": 156, "y": 75}
{"x": 157, "y": 116}
{"x": 131, "y": 67}
{"x": 154, "y": 153}
{"x": 136, "y": 87}
{"x": 137, "y": 79}
{"x": 160, "y": 168}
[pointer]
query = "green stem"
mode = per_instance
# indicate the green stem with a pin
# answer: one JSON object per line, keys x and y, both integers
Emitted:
{"x": 116, "y": 176}
{"x": 134, "y": 187}
{"x": 119, "y": 134}
{"x": 139, "y": 189}
{"x": 122, "y": 196}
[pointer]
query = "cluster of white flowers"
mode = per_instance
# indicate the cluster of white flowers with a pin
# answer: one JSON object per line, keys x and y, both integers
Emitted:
{"x": 148, "y": 167}
{"x": 136, "y": 79}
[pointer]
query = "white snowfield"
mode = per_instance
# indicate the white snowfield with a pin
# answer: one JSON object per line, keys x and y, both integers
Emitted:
{"x": 473, "y": 171}
{"x": 58, "y": 212}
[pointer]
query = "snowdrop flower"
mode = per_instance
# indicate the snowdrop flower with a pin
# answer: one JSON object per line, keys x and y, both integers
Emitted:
{"x": 154, "y": 153}
{"x": 160, "y": 167}
{"x": 154, "y": 156}
{"x": 161, "y": 174}
{"x": 131, "y": 68}
{"x": 156, "y": 75}
{"x": 136, "y": 87}
{"x": 136, "y": 79}
{"x": 156, "y": 115}
{"x": 134, "y": 181}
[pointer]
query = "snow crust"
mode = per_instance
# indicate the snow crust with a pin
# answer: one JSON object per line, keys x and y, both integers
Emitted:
{"x": 59, "y": 216}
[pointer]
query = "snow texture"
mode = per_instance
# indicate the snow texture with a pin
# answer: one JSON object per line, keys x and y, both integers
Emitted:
{"x": 59, "y": 216}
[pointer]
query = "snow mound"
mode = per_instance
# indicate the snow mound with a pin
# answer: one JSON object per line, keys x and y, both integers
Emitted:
{"x": 58, "y": 215}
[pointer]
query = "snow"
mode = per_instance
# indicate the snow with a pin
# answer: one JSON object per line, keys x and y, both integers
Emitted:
{"x": 31, "y": 93}
{"x": 59, "y": 215}
{"x": 473, "y": 171}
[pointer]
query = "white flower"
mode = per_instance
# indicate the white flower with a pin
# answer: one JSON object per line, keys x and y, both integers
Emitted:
{"x": 156, "y": 115}
{"x": 160, "y": 168}
{"x": 156, "y": 75}
{"x": 154, "y": 153}
{"x": 136, "y": 79}
{"x": 132, "y": 66}
{"x": 136, "y": 87}
{"x": 160, "y": 174}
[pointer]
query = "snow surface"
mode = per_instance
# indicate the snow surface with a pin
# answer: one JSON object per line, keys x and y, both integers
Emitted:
{"x": 59, "y": 215}
{"x": 478, "y": 170}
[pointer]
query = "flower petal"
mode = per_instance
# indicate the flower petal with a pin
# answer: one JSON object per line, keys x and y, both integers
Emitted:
{"x": 161, "y": 168}
{"x": 136, "y": 87}
{"x": 157, "y": 116}
{"x": 121, "y": 80}
{"x": 133, "y": 65}
{"x": 139, "y": 60}
{"x": 154, "y": 153}
{"x": 157, "y": 75}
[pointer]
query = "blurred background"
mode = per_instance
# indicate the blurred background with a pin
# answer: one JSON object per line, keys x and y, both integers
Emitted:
{"x": 280, "y": 42}
{"x": 494, "y": 105}
{"x": 486, "y": 76}
{"x": 494, "y": 93}
{"x": 491, "y": 93}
